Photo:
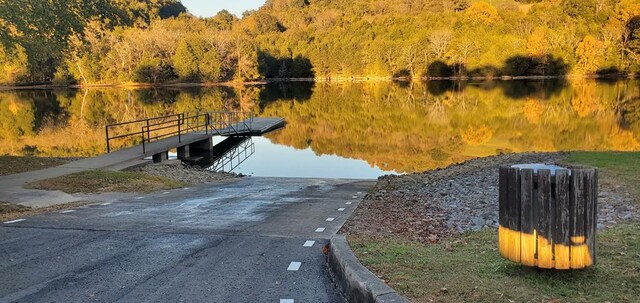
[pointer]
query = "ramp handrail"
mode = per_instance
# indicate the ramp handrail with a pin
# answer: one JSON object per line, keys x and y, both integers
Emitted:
{"x": 156, "y": 128}
{"x": 147, "y": 121}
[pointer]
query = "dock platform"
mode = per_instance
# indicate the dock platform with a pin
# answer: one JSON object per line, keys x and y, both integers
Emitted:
{"x": 251, "y": 127}
{"x": 186, "y": 132}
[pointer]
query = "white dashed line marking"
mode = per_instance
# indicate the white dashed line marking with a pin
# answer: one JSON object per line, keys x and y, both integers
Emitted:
{"x": 68, "y": 211}
{"x": 186, "y": 188}
{"x": 139, "y": 198}
{"x": 105, "y": 204}
{"x": 294, "y": 266}
{"x": 286, "y": 301}
{"x": 341, "y": 209}
{"x": 359, "y": 193}
{"x": 14, "y": 221}
{"x": 354, "y": 197}
{"x": 330, "y": 219}
{"x": 308, "y": 243}
{"x": 320, "y": 229}
{"x": 166, "y": 193}
{"x": 349, "y": 203}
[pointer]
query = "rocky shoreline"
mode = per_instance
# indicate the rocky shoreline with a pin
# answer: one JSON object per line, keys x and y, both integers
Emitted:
{"x": 178, "y": 171}
{"x": 429, "y": 206}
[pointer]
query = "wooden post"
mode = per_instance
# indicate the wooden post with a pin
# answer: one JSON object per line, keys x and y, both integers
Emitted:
{"x": 503, "y": 200}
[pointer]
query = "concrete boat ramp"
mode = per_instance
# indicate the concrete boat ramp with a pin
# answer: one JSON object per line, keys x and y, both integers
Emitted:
{"x": 247, "y": 240}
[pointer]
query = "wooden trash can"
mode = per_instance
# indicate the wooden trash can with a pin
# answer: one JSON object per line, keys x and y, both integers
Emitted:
{"x": 548, "y": 216}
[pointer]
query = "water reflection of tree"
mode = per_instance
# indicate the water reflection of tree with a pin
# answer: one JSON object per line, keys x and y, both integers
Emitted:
{"x": 71, "y": 123}
{"x": 630, "y": 114}
{"x": 17, "y": 119}
{"x": 389, "y": 127}
{"x": 403, "y": 127}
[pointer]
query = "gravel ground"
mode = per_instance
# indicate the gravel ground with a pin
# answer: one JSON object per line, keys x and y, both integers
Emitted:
{"x": 178, "y": 171}
{"x": 428, "y": 206}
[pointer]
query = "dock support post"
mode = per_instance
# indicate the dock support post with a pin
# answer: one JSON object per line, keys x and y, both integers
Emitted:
{"x": 183, "y": 152}
{"x": 201, "y": 146}
{"x": 157, "y": 158}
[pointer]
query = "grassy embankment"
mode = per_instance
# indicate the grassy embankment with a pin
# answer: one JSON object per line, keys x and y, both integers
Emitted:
{"x": 14, "y": 165}
{"x": 100, "y": 181}
{"x": 93, "y": 181}
{"x": 468, "y": 268}
{"x": 10, "y": 211}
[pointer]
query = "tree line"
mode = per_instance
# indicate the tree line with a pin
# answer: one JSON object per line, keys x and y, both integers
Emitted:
{"x": 159, "y": 41}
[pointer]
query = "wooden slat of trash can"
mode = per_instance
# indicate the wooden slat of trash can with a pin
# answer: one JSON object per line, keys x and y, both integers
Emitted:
{"x": 576, "y": 217}
{"x": 592, "y": 212}
{"x": 513, "y": 215}
{"x": 503, "y": 193}
{"x": 544, "y": 220}
{"x": 527, "y": 228}
{"x": 561, "y": 230}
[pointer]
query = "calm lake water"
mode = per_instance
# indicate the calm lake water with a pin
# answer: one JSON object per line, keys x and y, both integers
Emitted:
{"x": 348, "y": 130}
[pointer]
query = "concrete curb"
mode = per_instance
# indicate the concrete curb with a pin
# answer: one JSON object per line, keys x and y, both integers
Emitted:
{"x": 358, "y": 284}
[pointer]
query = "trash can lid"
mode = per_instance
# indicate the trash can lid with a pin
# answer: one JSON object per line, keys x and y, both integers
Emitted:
{"x": 537, "y": 166}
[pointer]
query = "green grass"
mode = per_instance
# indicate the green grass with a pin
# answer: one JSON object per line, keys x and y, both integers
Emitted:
{"x": 469, "y": 269}
{"x": 13, "y": 164}
{"x": 623, "y": 167}
{"x": 626, "y": 165}
{"x": 100, "y": 181}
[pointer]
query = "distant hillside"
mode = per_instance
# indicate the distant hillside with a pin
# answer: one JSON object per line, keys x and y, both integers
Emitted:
{"x": 451, "y": 37}
{"x": 134, "y": 41}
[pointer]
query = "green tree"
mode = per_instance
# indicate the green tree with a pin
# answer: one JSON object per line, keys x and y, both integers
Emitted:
{"x": 245, "y": 56}
{"x": 580, "y": 8}
{"x": 266, "y": 23}
{"x": 153, "y": 70}
{"x": 588, "y": 54}
{"x": 223, "y": 20}
{"x": 195, "y": 60}
{"x": 14, "y": 65}
{"x": 483, "y": 13}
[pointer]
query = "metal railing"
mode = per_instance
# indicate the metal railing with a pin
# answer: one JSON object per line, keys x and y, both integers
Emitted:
{"x": 158, "y": 128}
{"x": 228, "y": 122}
{"x": 182, "y": 125}
{"x": 109, "y": 129}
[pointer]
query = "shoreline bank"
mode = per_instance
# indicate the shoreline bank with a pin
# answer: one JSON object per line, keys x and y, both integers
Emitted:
{"x": 169, "y": 85}
{"x": 429, "y": 206}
